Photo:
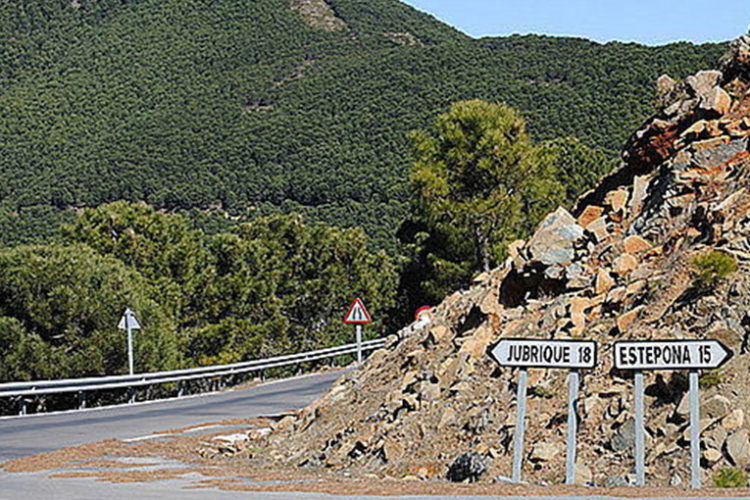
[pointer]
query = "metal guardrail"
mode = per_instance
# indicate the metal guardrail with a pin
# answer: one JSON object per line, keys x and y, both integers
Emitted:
{"x": 40, "y": 387}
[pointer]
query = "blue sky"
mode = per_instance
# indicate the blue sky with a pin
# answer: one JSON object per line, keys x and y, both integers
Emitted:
{"x": 651, "y": 22}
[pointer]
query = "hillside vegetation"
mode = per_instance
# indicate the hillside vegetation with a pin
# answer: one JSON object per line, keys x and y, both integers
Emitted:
{"x": 257, "y": 107}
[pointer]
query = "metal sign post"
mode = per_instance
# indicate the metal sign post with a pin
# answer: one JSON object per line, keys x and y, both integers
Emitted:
{"x": 564, "y": 354}
{"x": 695, "y": 432}
{"x": 690, "y": 355}
{"x": 358, "y": 316}
{"x": 570, "y": 455}
{"x": 129, "y": 322}
{"x": 520, "y": 425}
{"x": 640, "y": 432}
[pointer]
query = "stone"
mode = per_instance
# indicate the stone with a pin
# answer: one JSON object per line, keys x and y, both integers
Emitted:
{"x": 626, "y": 319}
{"x": 578, "y": 306}
{"x": 468, "y": 467}
{"x": 640, "y": 189}
{"x": 553, "y": 242}
{"x": 716, "y": 407}
{"x": 635, "y": 287}
{"x": 430, "y": 391}
{"x": 703, "y": 82}
{"x": 604, "y": 281}
{"x": 617, "y": 199}
{"x": 589, "y": 215}
{"x": 439, "y": 334}
{"x": 716, "y": 100}
{"x": 476, "y": 345}
{"x": 599, "y": 229}
{"x": 696, "y": 129}
{"x": 617, "y": 295}
{"x": 584, "y": 476}
{"x": 618, "y": 481}
{"x": 734, "y": 420}
{"x": 624, "y": 437}
{"x": 675, "y": 481}
{"x": 392, "y": 450}
{"x": 624, "y": 264}
{"x": 665, "y": 88}
{"x": 447, "y": 419}
{"x": 544, "y": 452}
{"x": 738, "y": 448}
{"x": 636, "y": 244}
{"x": 712, "y": 455}
{"x": 715, "y": 437}
{"x": 737, "y": 62}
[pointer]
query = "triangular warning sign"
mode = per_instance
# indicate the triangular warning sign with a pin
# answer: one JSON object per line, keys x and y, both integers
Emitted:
{"x": 358, "y": 314}
{"x": 128, "y": 319}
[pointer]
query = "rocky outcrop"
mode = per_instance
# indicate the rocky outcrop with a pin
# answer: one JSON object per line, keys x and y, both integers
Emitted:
{"x": 620, "y": 266}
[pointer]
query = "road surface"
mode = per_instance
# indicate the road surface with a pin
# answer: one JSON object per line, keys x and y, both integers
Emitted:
{"x": 24, "y": 436}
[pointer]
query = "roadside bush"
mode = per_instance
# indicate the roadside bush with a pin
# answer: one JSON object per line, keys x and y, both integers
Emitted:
{"x": 729, "y": 477}
{"x": 713, "y": 267}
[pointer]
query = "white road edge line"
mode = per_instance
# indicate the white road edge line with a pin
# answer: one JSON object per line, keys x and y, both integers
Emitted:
{"x": 167, "y": 400}
{"x": 144, "y": 438}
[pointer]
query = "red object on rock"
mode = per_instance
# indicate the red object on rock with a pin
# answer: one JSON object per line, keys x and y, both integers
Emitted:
{"x": 421, "y": 311}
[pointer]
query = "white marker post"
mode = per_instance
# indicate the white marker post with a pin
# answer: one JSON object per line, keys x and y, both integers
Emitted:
{"x": 562, "y": 354}
{"x": 690, "y": 355}
{"x": 129, "y": 322}
{"x": 358, "y": 316}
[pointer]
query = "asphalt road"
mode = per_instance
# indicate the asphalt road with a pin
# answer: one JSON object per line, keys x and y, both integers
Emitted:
{"x": 23, "y": 436}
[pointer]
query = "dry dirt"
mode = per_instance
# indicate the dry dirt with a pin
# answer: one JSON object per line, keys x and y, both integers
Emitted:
{"x": 240, "y": 472}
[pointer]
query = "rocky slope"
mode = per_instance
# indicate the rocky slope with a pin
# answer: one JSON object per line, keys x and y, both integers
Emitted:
{"x": 622, "y": 266}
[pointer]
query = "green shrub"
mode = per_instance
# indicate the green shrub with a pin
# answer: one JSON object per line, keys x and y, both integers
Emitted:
{"x": 713, "y": 267}
{"x": 711, "y": 379}
{"x": 729, "y": 477}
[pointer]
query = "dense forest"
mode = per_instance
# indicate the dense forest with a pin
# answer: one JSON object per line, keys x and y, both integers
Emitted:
{"x": 271, "y": 286}
{"x": 239, "y": 108}
{"x": 237, "y": 171}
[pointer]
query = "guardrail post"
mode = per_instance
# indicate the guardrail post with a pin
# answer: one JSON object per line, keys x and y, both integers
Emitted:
{"x": 180, "y": 389}
{"x": 81, "y": 400}
{"x": 131, "y": 395}
{"x": 22, "y": 410}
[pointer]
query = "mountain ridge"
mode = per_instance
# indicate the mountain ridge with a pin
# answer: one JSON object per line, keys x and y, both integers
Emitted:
{"x": 245, "y": 106}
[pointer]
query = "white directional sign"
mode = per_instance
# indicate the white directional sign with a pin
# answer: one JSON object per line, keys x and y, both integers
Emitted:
{"x": 128, "y": 321}
{"x": 526, "y": 353}
{"x": 670, "y": 355}
{"x": 565, "y": 354}
{"x": 690, "y": 355}
{"x": 357, "y": 314}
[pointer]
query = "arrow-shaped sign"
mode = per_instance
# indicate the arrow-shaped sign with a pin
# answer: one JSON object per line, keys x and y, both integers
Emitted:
{"x": 128, "y": 321}
{"x": 527, "y": 353}
{"x": 671, "y": 355}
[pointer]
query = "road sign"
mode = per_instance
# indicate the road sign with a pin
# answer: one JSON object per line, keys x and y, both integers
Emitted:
{"x": 358, "y": 314}
{"x": 671, "y": 355}
{"x": 564, "y": 354}
{"x": 690, "y": 355}
{"x": 128, "y": 320}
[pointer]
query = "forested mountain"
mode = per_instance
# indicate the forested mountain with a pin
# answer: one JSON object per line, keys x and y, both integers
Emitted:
{"x": 246, "y": 107}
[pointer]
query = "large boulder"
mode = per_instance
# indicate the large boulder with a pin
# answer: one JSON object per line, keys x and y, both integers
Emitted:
{"x": 554, "y": 242}
{"x": 468, "y": 467}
